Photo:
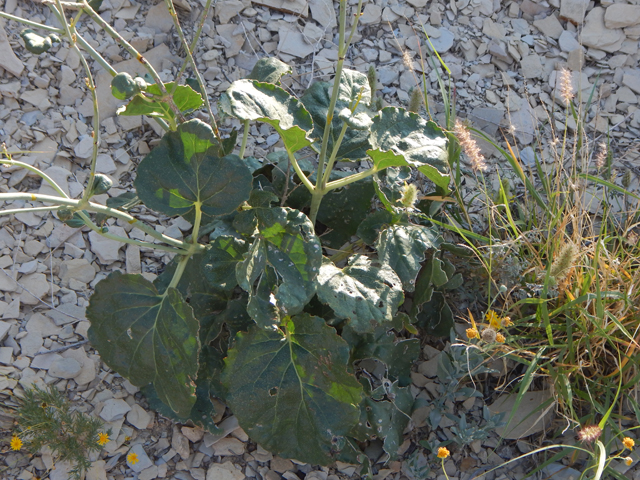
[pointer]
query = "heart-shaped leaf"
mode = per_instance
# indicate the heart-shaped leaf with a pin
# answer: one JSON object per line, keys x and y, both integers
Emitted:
{"x": 183, "y": 170}
{"x": 266, "y": 102}
{"x": 317, "y": 99}
{"x": 147, "y": 337}
{"x": 403, "y": 248}
{"x": 281, "y": 267}
{"x": 399, "y": 137}
{"x": 366, "y": 294}
{"x": 291, "y": 389}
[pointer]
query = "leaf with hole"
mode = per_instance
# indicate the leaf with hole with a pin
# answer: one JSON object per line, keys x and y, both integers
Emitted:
{"x": 183, "y": 170}
{"x": 221, "y": 260}
{"x": 147, "y": 337}
{"x": 291, "y": 389}
{"x": 363, "y": 292}
{"x": 281, "y": 267}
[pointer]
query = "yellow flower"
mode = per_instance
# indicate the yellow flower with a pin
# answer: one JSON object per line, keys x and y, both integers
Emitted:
{"x": 132, "y": 458}
{"x": 628, "y": 443}
{"x": 472, "y": 333}
{"x": 493, "y": 319}
{"x": 628, "y": 461}
{"x": 506, "y": 322}
{"x": 443, "y": 452}
{"x": 16, "y": 443}
{"x": 500, "y": 338}
{"x": 103, "y": 438}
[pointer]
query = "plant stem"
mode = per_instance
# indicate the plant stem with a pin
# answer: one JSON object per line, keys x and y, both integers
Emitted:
{"x": 39, "y": 172}
{"x": 31, "y": 24}
{"x": 245, "y": 136}
{"x": 94, "y": 207}
{"x": 334, "y": 154}
{"x": 129, "y": 48}
{"x": 303, "y": 178}
{"x": 188, "y": 49}
{"x": 350, "y": 179}
{"x": 177, "y": 275}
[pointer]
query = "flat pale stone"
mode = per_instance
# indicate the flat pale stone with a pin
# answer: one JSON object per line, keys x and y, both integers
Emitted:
{"x": 528, "y": 419}
{"x": 228, "y": 9}
{"x": 65, "y": 368}
{"x": 224, "y": 471}
{"x": 42, "y": 325}
{"x": 143, "y": 462}
{"x": 234, "y": 38}
{"x": 180, "y": 443}
{"x": 567, "y": 42}
{"x": 531, "y": 66}
{"x": 549, "y": 26}
{"x": 292, "y": 42}
{"x": 139, "y": 417}
{"x": 573, "y": 10}
{"x": 596, "y": 35}
{"x": 372, "y": 14}
{"x": 620, "y": 15}
{"x": 631, "y": 79}
{"x": 66, "y": 313}
{"x": 106, "y": 249}
{"x": 78, "y": 269}
{"x": 296, "y": 7}
{"x": 114, "y": 409}
{"x": 97, "y": 471}
{"x": 36, "y": 286}
{"x": 8, "y": 60}
{"x": 87, "y": 366}
{"x": 159, "y": 19}
{"x": 228, "y": 446}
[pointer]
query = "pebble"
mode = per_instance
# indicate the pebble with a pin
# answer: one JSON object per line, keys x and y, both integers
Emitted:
{"x": 139, "y": 417}
{"x": 224, "y": 471}
{"x": 143, "y": 462}
{"x": 64, "y": 368}
{"x": 114, "y": 409}
{"x": 106, "y": 249}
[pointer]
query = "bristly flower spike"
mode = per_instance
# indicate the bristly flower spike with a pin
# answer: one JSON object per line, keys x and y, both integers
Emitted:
{"x": 470, "y": 147}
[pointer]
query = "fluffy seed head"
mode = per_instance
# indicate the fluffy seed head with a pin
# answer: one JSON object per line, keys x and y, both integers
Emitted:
{"x": 564, "y": 261}
{"x": 566, "y": 87}
{"x": 409, "y": 195}
{"x": 470, "y": 147}
{"x": 601, "y": 156}
{"x": 489, "y": 335}
{"x": 415, "y": 101}
{"x": 590, "y": 433}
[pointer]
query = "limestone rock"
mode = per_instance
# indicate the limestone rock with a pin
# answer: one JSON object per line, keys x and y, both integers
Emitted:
{"x": 158, "y": 18}
{"x": 180, "y": 443}
{"x": 8, "y": 60}
{"x": 143, "y": 462}
{"x": 65, "y": 368}
{"x": 573, "y": 10}
{"x": 228, "y": 9}
{"x": 323, "y": 13}
{"x": 371, "y": 15}
{"x": 87, "y": 366}
{"x": 596, "y": 35}
{"x": 114, "y": 409}
{"x": 292, "y": 42}
{"x": 224, "y": 471}
{"x": 106, "y": 249}
{"x": 35, "y": 286}
{"x": 620, "y": 15}
{"x": 529, "y": 419}
{"x": 78, "y": 269}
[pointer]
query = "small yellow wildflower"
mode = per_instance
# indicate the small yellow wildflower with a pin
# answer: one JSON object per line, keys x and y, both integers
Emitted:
{"x": 472, "y": 333}
{"x": 493, "y": 319}
{"x": 103, "y": 439}
{"x": 127, "y": 438}
{"x": 628, "y": 461}
{"x": 628, "y": 443}
{"x": 443, "y": 452}
{"x": 16, "y": 443}
{"x": 132, "y": 458}
{"x": 500, "y": 338}
{"x": 506, "y": 322}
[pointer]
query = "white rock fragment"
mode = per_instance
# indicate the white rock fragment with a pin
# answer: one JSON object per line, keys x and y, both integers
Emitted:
{"x": 621, "y": 15}
{"x": 78, "y": 269}
{"x": 8, "y": 60}
{"x": 180, "y": 443}
{"x": 139, "y": 417}
{"x": 65, "y": 368}
{"x": 144, "y": 461}
{"x": 292, "y": 42}
{"x": 372, "y": 14}
{"x": 573, "y": 10}
{"x": 596, "y": 35}
{"x": 114, "y": 409}
{"x": 106, "y": 249}
{"x": 224, "y": 471}
{"x": 35, "y": 286}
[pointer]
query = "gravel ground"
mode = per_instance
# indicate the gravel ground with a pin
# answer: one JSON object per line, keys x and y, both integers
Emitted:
{"x": 504, "y": 59}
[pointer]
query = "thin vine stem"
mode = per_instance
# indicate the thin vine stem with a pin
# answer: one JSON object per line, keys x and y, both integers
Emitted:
{"x": 8, "y": 16}
{"x": 188, "y": 49}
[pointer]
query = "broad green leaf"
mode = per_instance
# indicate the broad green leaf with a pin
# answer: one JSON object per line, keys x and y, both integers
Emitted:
{"x": 147, "y": 337}
{"x": 183, "y": 170}
{"x": 185, "y": 98}
{"x": 372, "y": 224}
{"x": 384, "y": 415}
{"x": 354, "y": 89}
{"x": 292, "y": 390}
{"x": 355, "y": 142}
{"x": 124, "y": 202}
{"x": 389, "y": 184}
{"x": 399, "y": 137}
{"x": 205, "y": 299}
{"x": 436, "y": 317}
{"x": 221, "y": 260}
{"x": 201, "y": 414}
{"x": 269, "y": 70}
{"x": 265, "y": 102}
{"x": 281, "y": 267}
{"x": 366, "y": 294}
{"x": 342, "y": 211}
{"x": 397, "y": 354}
{"x": 403, "y": 248}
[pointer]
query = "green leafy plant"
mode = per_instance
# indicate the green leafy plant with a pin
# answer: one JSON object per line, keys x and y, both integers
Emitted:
{"x": 47, "y": 419}
{"x": 254, "y": 310}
